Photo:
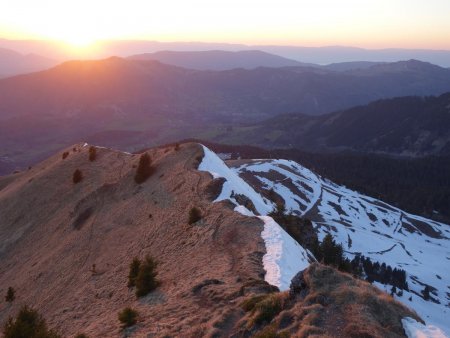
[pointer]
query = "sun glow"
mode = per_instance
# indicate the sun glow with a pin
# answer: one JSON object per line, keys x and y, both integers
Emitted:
{"x": 78, "y": 41}
{"x": 370, "y": 24}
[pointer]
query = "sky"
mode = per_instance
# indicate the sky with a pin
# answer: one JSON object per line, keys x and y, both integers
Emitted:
{"x": 361, "y": 23}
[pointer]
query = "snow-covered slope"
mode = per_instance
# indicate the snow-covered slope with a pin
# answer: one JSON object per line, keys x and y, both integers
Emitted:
{"x": 414, "y": 329}
{"x": 367, "y": 226}
{"x": 284, "y": 256}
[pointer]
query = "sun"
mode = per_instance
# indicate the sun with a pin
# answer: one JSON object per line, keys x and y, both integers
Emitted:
{"x": 78, "y": 38}
{"x": 79, "y": 41}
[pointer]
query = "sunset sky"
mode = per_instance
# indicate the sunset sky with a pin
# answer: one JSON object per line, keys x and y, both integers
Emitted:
{"x": 369, "y": 24}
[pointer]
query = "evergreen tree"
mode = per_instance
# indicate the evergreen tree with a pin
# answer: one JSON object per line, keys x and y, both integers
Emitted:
{"x": 332, "y": 252}
{"x": 10, "y": 295}
{"x": 92, "y": 153}
{"x": 393, "y": 290}
{"x": 28, "y": 323}
{"x": 195, "y": 215}
{"x": 426, "y": 292}
{"x": 144, "y": 169}
{"x": 134, "y": 271}
{"x": 128, "y": 317}
{"x": 77, "y": 176}
{"x": 146, "y": 278}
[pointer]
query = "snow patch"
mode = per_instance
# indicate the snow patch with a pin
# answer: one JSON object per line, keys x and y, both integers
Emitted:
{"x": 370, "y": 227}
{"x": 244, "y": 211}
{"x": 233, "y": 183}
{"x": 414, "y": 329}
{"x": 284, "y": 257}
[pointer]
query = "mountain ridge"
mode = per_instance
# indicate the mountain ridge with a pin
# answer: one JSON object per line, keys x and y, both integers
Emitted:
{"x": 404, "y": 126}
{"x": 13, "y": 63}
{"x": 79, "y": 247}
{"x": 44, "y": 111}
{"x": 219, "y": 60}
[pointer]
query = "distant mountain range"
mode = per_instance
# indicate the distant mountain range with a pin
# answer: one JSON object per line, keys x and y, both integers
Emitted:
{"x": 317, "y": 55}
{"x": 158, "y": 103}
{"x": 133, "y": 87}
{"x": 409, "y": 126}
{"x": 13, "y": 63}
{"x": 226, "y": 60}
{"x": 220, "y": 60}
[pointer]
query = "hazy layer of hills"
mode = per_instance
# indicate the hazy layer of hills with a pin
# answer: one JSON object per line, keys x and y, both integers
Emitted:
{"x": 13, "y": 63}
{"x": 225, "y": 60}
{"x": 316, "y": 55}
{"x": 219, "y": 60}
{"x": 152, "y": 103}
{"x": 143, "y": 88}
{"x": 408, "y": 126}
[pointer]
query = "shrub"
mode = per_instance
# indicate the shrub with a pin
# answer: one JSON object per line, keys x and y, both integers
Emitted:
{"x": 195, "y": 215}
{"x": 92, "y": 153}
{"x": 128, "y": 317}
{"x": 29, "y": 323}
{"x": 134, "y": 271}
{"x": 426, "y": 292}
{"x": 10, "y": 295}
{"x": 144, "y": 169}
{"x": 267, "y": 309}
{"x": 77, "y": 176}
{"x": 146, "y": 280}
{"x": 250, "y": 303}
{"x": 177, "y": 147}
{"x": 65, "y": 154}
{"x": 271, "y": 332}
{"x": 81, "y": 335}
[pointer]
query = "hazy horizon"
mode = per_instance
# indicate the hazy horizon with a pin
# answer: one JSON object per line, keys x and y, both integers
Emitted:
{"x": 370, "y": 25}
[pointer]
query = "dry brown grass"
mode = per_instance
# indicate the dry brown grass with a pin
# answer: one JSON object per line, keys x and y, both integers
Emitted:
{"x": 335, "y": 305}
{"x": 43, "y": 250}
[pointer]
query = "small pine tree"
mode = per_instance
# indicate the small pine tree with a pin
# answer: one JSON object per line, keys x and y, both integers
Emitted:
{"x": 134, "y": 271}
{"x": 81, "y": 335}
{"x": 393, "y": 290}
{"x": 332, "y": 252}
{"x": 195, "y": 215}
{"x": 144, "y": 169}
{"x": 177, "y": 147}
{"x": 128, "y": 317}
{"x": 280, "y": 208}
{"x": 77, "y": 176}
{"x": 426, "y": 292}
{"x": 146, "y": 278}
{"x": 28, "y": 323}
{"x": 65, "y": 154}
{"x": 92, "y": 153}
{"x": 10, "y": 295}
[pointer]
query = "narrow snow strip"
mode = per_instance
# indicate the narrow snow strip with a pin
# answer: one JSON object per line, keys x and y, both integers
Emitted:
{"x": 99, "y": 147}
{"x": 244, "y": 211}
{"x": 284, "y": 257}
{"x": 217, "y": 168}
{"x": 414, "y": 329}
